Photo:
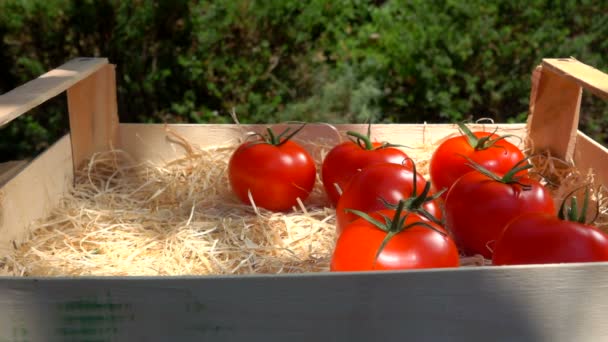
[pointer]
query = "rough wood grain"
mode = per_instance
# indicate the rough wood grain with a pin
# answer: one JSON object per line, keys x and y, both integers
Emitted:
{"x": 588, "y": 77}
{"x": 153, "y": 142}
{"x": 589, "y": 154}
{"x": 557, "y": 303}
{"x": 93, "y": 114}
{"x": 33, "y": 93}
{"x": 11, "y": 168}
{"x": 554, "y": 113}
{"x": 33, "y": 192}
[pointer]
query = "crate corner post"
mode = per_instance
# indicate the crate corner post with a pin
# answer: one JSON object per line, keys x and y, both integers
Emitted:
{"x": 93, "y": 114}
{"x": 555, "y": 103}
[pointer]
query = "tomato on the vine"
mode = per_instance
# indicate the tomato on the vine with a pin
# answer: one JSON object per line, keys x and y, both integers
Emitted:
{"x": 276, "y": 170}
{"x": 392, "y": 240}
{"x": 481, "y": 203}
{"x": 345, "y": 159}
{"x": 375, "y": 185}
{"x": 449, "y": 161}
{"x": 540, "y": 238}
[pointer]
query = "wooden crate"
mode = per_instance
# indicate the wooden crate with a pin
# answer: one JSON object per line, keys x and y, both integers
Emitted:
{"x": 515, "y": 303}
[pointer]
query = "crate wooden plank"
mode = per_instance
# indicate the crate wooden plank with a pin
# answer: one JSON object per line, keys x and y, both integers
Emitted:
{"x": 555, "y": 101}
{"x": 93, "y": 114}
{"x": 590, "y": 154}
{"x": 554, "y": 113}
{"x": 33, "y": 192}
{"x": 543, "y": 303}
{"x": 33, "y": 93}
{"x": 586, "y": 76}
{"x": 153, "y": 142}
{"x": 10, "y": 168}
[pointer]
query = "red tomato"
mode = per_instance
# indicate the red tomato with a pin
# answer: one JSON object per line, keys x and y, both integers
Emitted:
{"x": 447, "y": 163}
{"x": 416, "y": 246}
{"x": 539, "y": 238}
{"x": 478, "y": 207}
{"x": 391, "y": 182}
{"x": 345, "y": 159}
{"x": 276, "y": 172}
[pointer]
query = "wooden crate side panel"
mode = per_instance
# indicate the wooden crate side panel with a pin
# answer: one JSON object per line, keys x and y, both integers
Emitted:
{"x": 152, "y": 142}
{"x": 11, "y": 168}
{"x": 33, "y": 192}
{"x": 546, "y": 303}
{"x": 589, "y": 154}
{"x": 554, "y": 113}
{"x": 33, "y": 93}
{"x": 588, "y": 77}
{"x": 555, "y": 101}
{"x": 93, "y": 114}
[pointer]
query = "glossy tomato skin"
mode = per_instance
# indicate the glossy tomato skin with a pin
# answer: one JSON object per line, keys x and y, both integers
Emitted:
{"x": 537, "y": 238}
{"x": 345, "y": 159}
{"x": 276, "y": 175}
{"x": 415, "y": 247}
{"x": 392, "y": 182}
{"x": 477, "y": 209}
{"x": 447, "y": 163}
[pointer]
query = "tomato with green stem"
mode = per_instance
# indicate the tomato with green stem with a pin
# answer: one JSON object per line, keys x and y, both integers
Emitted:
{"x": 541, "y": 238}
{"x": 481, "y": 203}
{"x": 449, "y": 161}
{"x": 274, "y": 170}
{"x": 374, "y": 187}
{"x": 393, "y": 240}
{"x": 346, "y": 159}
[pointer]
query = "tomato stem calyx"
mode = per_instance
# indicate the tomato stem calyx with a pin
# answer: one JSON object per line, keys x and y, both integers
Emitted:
{"x": 276, "y": 140}
{"x": 572, "y": 213}
{"x": 510, "y": 177}
{"x": 414, "y": 202}
{"x": 365, "y": 141}
{"x": 482, "y": 143}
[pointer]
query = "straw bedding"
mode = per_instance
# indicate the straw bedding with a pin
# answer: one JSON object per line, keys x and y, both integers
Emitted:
{"x": 180, "y": 218}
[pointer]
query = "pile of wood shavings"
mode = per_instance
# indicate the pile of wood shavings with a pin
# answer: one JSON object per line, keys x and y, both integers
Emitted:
{"x": 175, "y": 219}
{"x": 180, "y": 218}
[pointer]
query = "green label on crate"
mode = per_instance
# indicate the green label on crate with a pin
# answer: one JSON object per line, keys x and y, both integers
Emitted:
{"x": 92, "y": 319}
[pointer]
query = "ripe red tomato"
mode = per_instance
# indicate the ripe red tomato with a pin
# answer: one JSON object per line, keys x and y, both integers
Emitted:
{"x": 414, "y": 243}
{"x": 478, "y": 207}
{"x": 390, "y": 182}
{"x": 276, "y": 170}
{"x": 345, "y": 159}
{"x": 447, "y": 163}
{"x": 539, "y": 238}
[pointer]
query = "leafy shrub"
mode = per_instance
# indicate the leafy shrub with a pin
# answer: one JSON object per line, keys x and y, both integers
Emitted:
{"x": 315, "y": 60}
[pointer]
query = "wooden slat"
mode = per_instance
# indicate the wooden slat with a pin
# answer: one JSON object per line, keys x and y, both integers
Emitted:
{"x": 33, "y": 93}
{"x": 93, "y": 114}
{"x": 554, "y": 113}
{"x": 557, "y": 303}
{"x": 589, "y": 154}
{"x": 585, "y": 75}
{"x": 9, "y": 169}
{"x": 33, "y": 192}
{"x": 151, "y": 142}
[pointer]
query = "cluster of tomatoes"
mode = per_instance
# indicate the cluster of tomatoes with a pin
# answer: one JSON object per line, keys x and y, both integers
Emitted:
{"x": 480, "y": 199}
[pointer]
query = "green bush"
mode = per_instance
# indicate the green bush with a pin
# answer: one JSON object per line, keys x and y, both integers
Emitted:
{"x": 280, "y": 60}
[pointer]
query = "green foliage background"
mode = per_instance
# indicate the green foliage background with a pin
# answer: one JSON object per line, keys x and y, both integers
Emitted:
{"x": 315, "y": 60}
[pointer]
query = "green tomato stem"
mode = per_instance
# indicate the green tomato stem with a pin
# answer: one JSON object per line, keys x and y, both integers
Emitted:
{"x": 362, "y": 140}
{"x": 571, "y": 212}
{"x": 482, "y": 143}
{"x": 508, "y": 178}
